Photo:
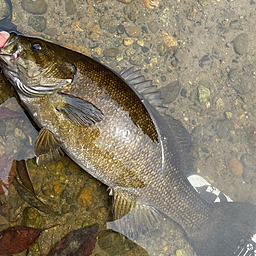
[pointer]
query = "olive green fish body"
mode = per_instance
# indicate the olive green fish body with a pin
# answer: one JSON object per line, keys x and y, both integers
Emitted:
{"x": 112, "y": 132}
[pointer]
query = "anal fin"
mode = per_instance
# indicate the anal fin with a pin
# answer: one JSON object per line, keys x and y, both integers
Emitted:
{"x": 47, "y": 147}
{"x": 132, "y": 217}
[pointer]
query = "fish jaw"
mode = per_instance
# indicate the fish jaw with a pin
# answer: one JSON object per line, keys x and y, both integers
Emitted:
{"x": 22, "y": 70}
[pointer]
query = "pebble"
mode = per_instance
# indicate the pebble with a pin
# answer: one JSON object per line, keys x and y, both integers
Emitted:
{"x": 34, "y": 6}
{"x": 240, "y": 43}
{"x": 170, "y": 91}
{"x": 150, "y": 4}
{"x": 153, "y": 26}
{"x": 38, "y": 23}
{"x": 111, "y": 52}
{"x": 162, "y": 49}
{"x": 132, "y": 31}
{"x": 223, "y": 128}
{"x": 144, "y": 49}
{"x": 164, "y": 16}
{"x": 136, "y": 60}
{"x": 180, "y": 55}
{"x": 248, "y": 161}
{"x": 128, "y": 41}
{"x": 85, "y": 197}
{"x": 70, "y": 7}
{"x": 125, "y": 1}
{"x": 93, "y": 32}
{"x": 32, "y": 218}
{"x": 120, "y": 29}
{"x": 56, "y": 168}
{"x": 239, "y": 79}
{"x": 57, "y": 189}
{"x": 203, "y": 94}
{"x": 236, "y": 24}
{"x": 5, "y": 10}
{"x": 235, "y": 167}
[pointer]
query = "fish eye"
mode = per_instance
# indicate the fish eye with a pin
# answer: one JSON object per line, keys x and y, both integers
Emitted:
{"x": 36, "y": 46}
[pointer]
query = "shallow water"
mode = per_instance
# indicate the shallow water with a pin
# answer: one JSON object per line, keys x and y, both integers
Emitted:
{"x": 200, "y": 54}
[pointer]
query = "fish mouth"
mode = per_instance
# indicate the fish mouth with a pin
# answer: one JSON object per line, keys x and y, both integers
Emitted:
{"x": 9, "y": 55}
{"x": 7, "y": 60}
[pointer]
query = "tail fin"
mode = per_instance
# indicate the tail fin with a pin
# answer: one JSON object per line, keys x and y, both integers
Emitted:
{"x": 229, "y": 224}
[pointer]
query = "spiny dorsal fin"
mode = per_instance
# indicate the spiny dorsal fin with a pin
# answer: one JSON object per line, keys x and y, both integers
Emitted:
{"x": 131, "y": 217}
{"x": 144, "y": 87}
{"x": 78, "y": 111}
{"x": 47, "y": 147}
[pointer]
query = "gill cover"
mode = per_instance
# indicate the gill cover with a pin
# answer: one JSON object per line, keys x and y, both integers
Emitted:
{"x": 34, "y": 66}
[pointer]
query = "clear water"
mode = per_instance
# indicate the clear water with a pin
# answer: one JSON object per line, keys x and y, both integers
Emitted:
{"x": 192, "y": 42}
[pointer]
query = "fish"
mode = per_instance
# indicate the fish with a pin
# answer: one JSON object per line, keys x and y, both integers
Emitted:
{"x": 115, "y": 127}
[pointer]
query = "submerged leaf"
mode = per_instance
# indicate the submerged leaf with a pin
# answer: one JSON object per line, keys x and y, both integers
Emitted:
{"x": 8, "y": 113}
{"x": 7, "y": 172}
{"x": 22, "y": 171}
{"x": 80, "y": 242}
{"x": 17, "y": 239}
{"x": 30, "y": 198}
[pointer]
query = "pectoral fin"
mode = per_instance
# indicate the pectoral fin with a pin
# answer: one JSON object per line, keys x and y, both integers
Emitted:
{"x": 47, "y": 147}
{"x": 78, "y": 111}
{"x": 132, "y": 217}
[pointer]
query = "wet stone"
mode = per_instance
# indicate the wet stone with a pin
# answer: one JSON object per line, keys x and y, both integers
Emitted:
{"x": 85, "y": 197}
{"x": 203, "y": 94}
{"x": 46, "y": 189}
{"x": 32, "y": 218}
{"x": 93, "y": 32}
{"x": 144, "y": 49}
{"x": 125, "y": 1}
{"x": 248, "y": 161}
{"x": 183, "y": 92}
{"x": 171, "y": 91}
{"x": 136, "y": 60}
{"x": 204, "y": 60}
{"x": 5, "y": 10}
{"x": 239, "y": 80}
{"x": 34, "y": 6}
{"x": 70, "y": 7}
{"x": 56, "y": 168}
{"x": 223, "y": 128}
{"x": 38, "y": 23}
{"x": 111, "y": 52}
{"x": 240, "y": 43}
{"x": 236, "y": 24}
{"x": 162, "y": 49}
{"x": 235, "y": 167}
{"x": 132, "y": 31}
{"x": 180, "y": 55}
{"x": 153, "y": 26}
{"x": 120, "y": 29}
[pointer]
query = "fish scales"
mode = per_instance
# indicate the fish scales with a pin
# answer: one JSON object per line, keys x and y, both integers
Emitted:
{"x": 113, "y": 133}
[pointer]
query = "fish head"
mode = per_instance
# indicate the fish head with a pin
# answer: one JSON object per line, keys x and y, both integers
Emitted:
{"x": 34, "y": 66}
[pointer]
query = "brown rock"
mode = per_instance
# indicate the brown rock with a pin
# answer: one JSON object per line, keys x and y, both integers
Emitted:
{"x": 94, "y": 32}
{"x": 125, "y": 1}
{"x": 235, "y": 167}
{"x": 132, "y": 31}
{"x": 85, "y": 197}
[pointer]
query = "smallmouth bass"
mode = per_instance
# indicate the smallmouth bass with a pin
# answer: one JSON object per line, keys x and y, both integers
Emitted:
{"x": 114, "y": 133}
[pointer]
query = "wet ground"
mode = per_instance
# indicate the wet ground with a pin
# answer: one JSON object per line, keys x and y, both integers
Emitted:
{"x": 200, "y": 54}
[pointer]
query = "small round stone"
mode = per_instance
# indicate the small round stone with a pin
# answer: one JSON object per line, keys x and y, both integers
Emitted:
{"x": 38, "y": 23}
{"x": 240, "y": 43}
{"x": 111, "y": 52}
{"x": 34, "y": 6}
{"x": 235, "y": 166}
{"x": 132, "y": 31}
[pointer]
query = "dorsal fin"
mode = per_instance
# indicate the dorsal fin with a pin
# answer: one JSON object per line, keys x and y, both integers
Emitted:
{"x": 144, "y": 87}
